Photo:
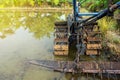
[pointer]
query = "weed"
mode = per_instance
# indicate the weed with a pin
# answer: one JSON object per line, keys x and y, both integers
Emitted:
{"x": 106, "y": 24}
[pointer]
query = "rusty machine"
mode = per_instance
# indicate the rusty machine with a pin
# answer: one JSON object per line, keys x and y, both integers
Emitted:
{"x": 85, "y": 34}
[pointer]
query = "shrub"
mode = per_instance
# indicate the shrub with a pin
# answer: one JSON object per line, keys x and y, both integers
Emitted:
{"x": 107, "y": 23}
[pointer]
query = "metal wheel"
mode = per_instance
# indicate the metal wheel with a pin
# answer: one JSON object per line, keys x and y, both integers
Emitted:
{"x": 61, "y": 39}
{"x": 93, "y": 40}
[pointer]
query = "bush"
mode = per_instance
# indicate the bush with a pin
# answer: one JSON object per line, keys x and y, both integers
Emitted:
{"x": 96, "y": 5}
{"x": 107, "y": 23}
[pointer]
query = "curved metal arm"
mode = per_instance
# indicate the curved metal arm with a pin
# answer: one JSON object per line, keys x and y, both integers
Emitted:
{"x": 94, "y": 16}
{"x": 103, "y": 13}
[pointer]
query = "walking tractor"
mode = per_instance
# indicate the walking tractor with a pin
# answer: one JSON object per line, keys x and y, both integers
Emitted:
{"x": 85, "y": 34}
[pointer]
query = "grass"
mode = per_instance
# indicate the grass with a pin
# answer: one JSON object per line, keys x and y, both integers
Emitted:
{"x": 112, "y": 37}
{"x": 108, "y": 27}
{"x": 107, "y": 24}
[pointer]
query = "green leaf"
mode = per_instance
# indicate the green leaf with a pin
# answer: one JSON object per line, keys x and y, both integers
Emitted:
{"x": 56, "y": 2}
{"x": 32, "y": 2}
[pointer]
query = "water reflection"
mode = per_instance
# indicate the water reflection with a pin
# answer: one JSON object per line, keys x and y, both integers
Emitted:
{"x": 40, "y": 24}
{"x": 25, "y": 36}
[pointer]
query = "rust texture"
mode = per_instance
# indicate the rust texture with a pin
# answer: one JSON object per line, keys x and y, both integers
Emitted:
{"x": 85, "y": 67}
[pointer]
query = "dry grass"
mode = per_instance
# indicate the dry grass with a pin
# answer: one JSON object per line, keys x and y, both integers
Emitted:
{"x": 113, "y": 41}
{"x": 108, "y": 27}
{"x": 112, "y": 37}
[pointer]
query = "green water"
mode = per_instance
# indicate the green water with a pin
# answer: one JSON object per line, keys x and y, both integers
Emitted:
{"x": 25, "y": 36}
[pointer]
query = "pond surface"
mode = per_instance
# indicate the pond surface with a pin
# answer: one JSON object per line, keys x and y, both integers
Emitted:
{"x": 25, "y": 36}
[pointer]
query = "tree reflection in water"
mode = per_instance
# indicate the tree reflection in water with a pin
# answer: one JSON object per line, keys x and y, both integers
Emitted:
{"x": 38, "y": 23}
